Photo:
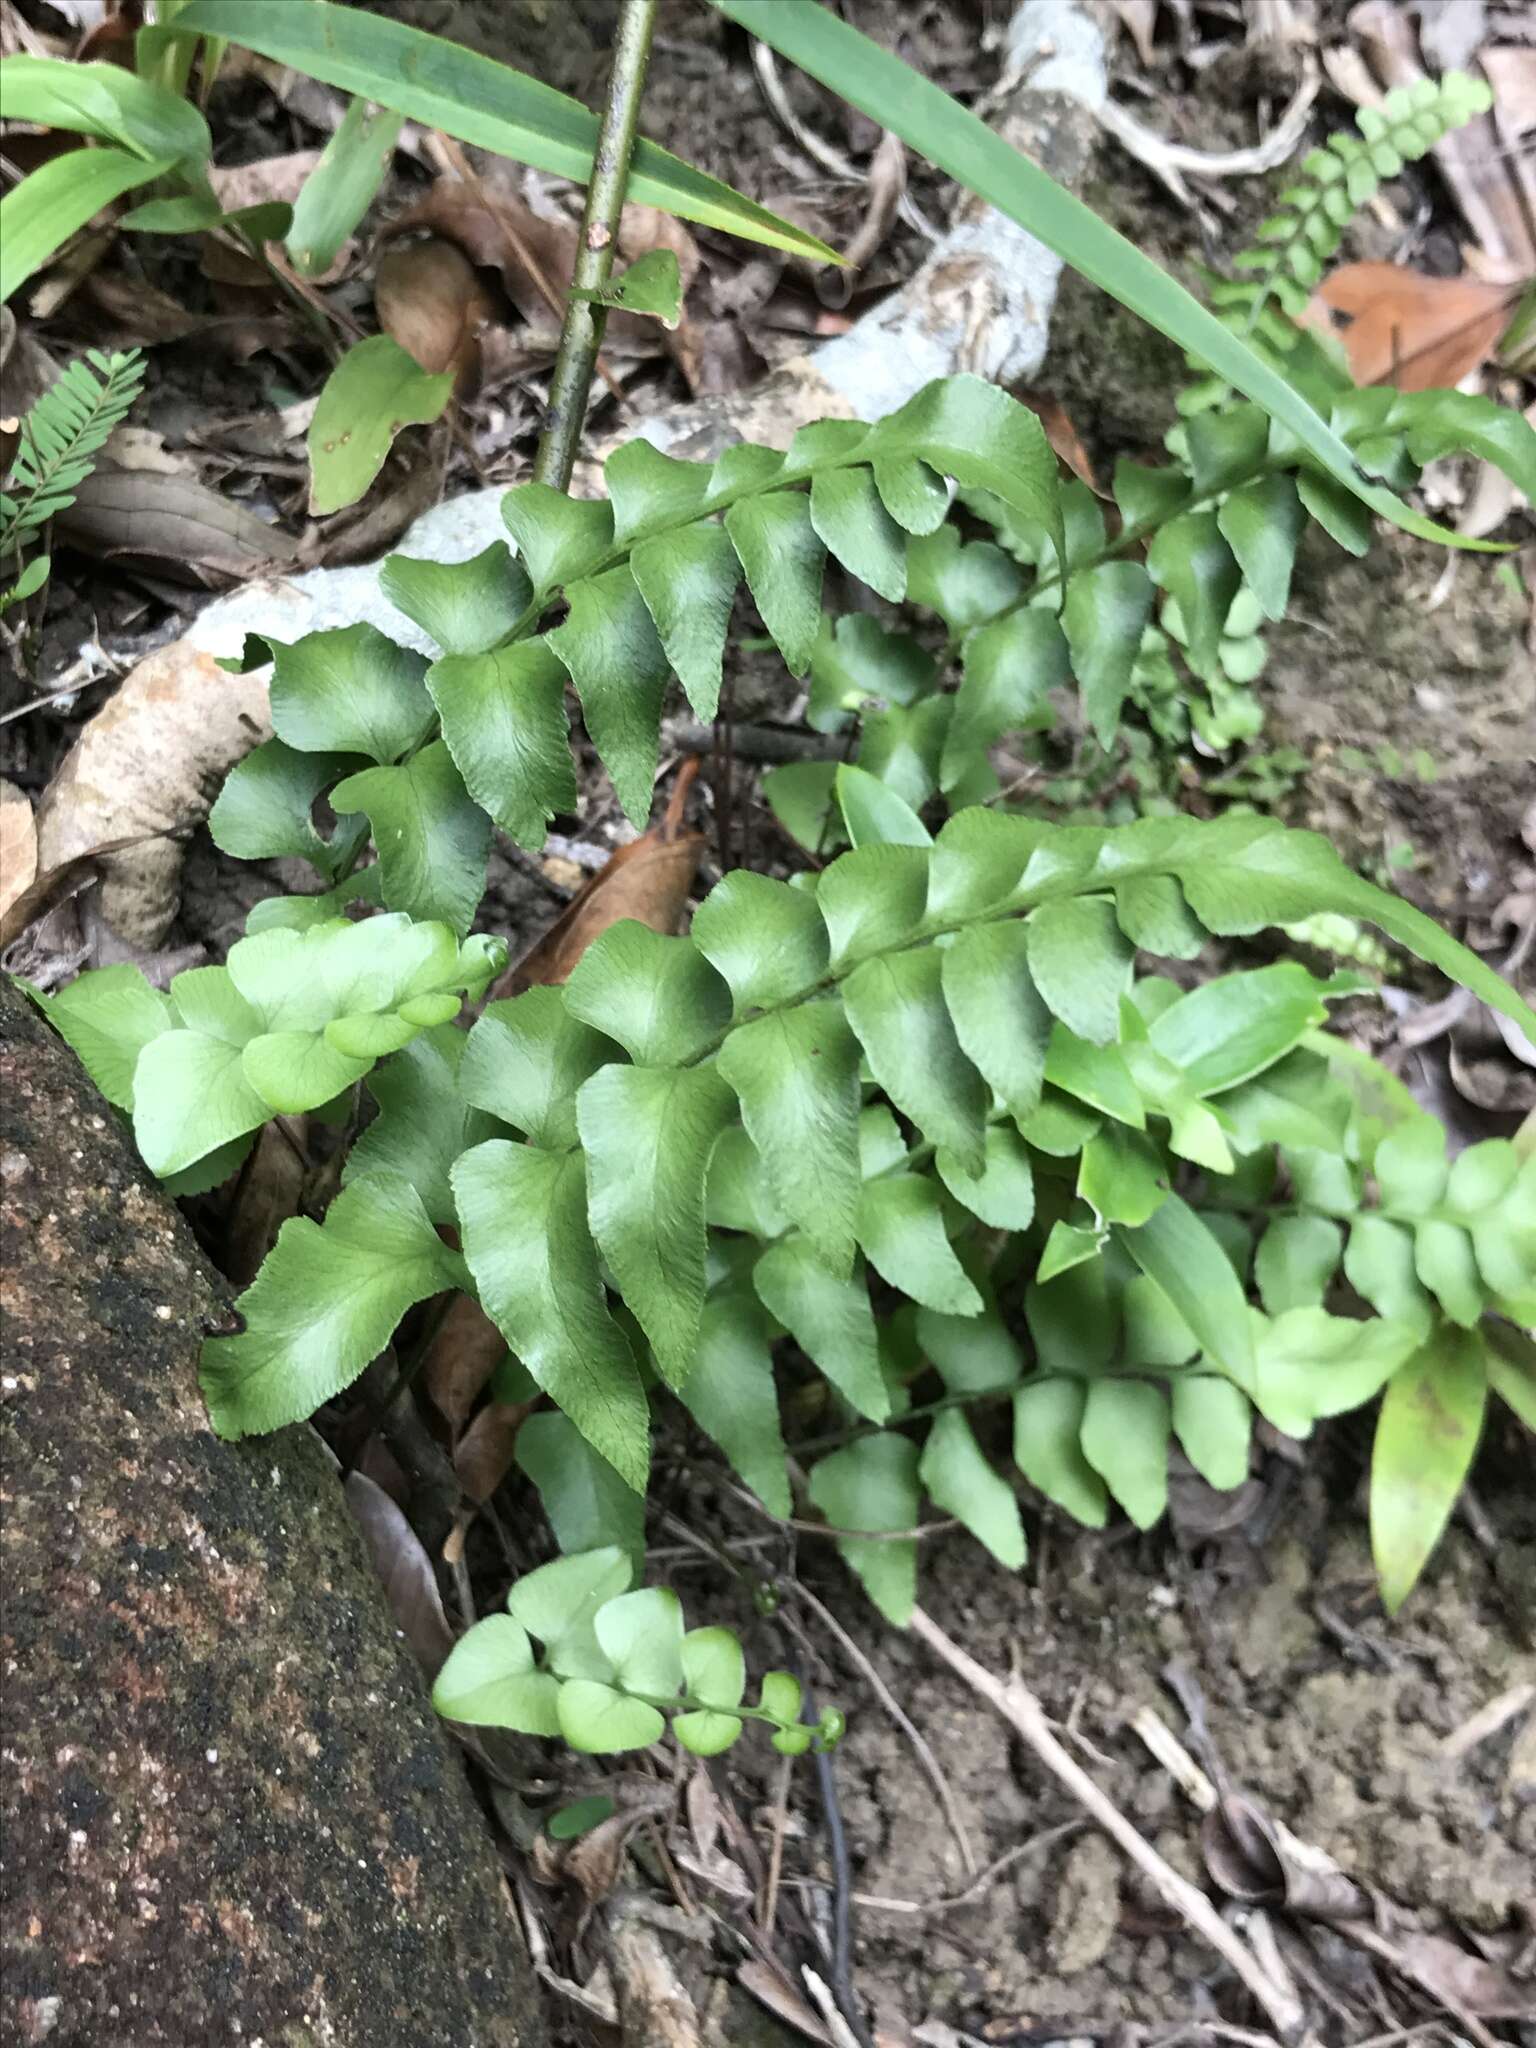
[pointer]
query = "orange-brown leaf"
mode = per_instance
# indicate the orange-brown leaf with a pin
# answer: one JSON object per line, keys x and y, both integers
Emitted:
{"x": 1414, "y": 332}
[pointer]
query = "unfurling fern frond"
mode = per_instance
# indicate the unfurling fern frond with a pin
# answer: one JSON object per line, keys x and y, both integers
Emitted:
{"x": 1294, "y": 245}
{"x": 61, "y": 437}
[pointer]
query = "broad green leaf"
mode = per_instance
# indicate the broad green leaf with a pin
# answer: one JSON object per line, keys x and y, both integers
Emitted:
{"x": 443, "y": 85}
{"x": 1003, "y": 1194}
{"x": 324, "y": 1305}
{"x": 1009, "y": 669}
{"x": 1262, "y": 524}
{"x": 489, "y": 1681}
{"x": 714, "y": 1670}
{"x": 619, "y": 667}
{"x": 1080, "y": 962}
{"x": 688, "y": 579}
{"x": 1228, "y": 1030}
{"x": 849, "y": 515}
{"x": 647, "y": 1134}
{"x": 901, "y": 1231}
{"x": 1074, "y": 1318}
{"x": 767, "y": 939}
{"x": 1099, "y": 1075}
{"x": 1482, "y": 1177}
{"x": 874, "y": 814}
{"x": 1191, "y": 561}
{"x": 1047, "y": 1447}
{"x": 641, "y": 1635}
{"x": 503, "y": 719}
{"x": 959, "y": 143}
{"x": 467, "y": 607}
{"x": 658, "y": 996}
{"x": 349, "y": 691}
{"x": 1123, "y": 1177}
{"x": 782, "y": 555}
{"x": 799, "y": 794}
{"x": 1297, "y": 1259}
{"x": 858, "y": 663}
{"x": 263, "y": 812}
{"x": 1308, "y": 1364}
{"x": 1446, "y": 422}
{"x": 903, "y": 748}
{"x": 524, "y": 1061}
{"x": 590, "y": 1505}
{"x": 1156, "y": 919}
{"x": 650, "y": 491}
{"x": 38, "y": 216}
{"x": 597, "y": 1721}
{"x": 342, "y": 186}
{"x": 373, "y": 392}
{"x": 796, "y": 1075}
{"x": 1337, "y": 511}
{"x": 872, "y": 899}
{"x": 1410, "y": 1167}
{"x": 1105, "y": 613}
{"x": 1175, "y": 1248}
{"x": 560, "y": 1599}
{"x": 872, "y": 1485}
{"x": 965, "y": 582}
{"x": 706, "y": 1733}
{"x": 1155, "y": 1332}
{"x": 1444, "y": 1261}
{"x": 730, "y": 1394}
{"x": 916, "y": 498}
{"x": 107, "y": 101}
{"x": 1070, "y": 1244}
{"x": 737, "y": 1195}
{"x": 1426, "y": 1433}
{"x": 107, "y": 1018}
{"x": 1225, "y": 446}
{"x": 1059, "y": 1126}
{"x": 424, "y": 1121}
{"x": 524, "y": 1222}
{"x": 433, "y": 840}
{"x": 972, "y": 431}
{"x": 560, "y": 539}
{"x": 963, "y": 1484}
{"x": 190, "y": 1096}
{"x": 1125, "y": 1440}
{"x": 829, "y": 1318}
{"x": 1212, "y": 1421}
{"x": 1379, "y": 1265}
{"x": 896, "y": 1007}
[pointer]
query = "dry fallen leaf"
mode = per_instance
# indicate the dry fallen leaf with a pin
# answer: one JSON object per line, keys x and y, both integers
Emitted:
{"x": 1414, "y": 332}
{"x": 466, "y": 1349}
{"x": 648, "y": 880}
{"x": 18, "y": 846}
{"x": 405, "y": 1571}
{"x": 429, "y": 299}
{"x": 139, "y": 511}
{"x": 145, "y": 768}
{"x": 482, "y": 1458}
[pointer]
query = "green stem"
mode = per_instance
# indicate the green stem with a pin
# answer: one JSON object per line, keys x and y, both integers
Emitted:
{"x": 582, "y": 335}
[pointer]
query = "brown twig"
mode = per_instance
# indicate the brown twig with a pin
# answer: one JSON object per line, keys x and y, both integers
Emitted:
{"x": 1023, "y": 1712}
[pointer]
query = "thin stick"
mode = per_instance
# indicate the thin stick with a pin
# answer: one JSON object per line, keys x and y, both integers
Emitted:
{"x": 892, "y": 1706}
{"x": 582, "y": 334}
{"x": 1023, "y": 1712}
{"x": 768, "y": 1912}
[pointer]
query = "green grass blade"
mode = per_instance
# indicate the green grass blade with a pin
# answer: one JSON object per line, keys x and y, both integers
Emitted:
{"x": 40, "y": 214}
{"x": 478, "y": 100}
{"x": 939, "y": 128}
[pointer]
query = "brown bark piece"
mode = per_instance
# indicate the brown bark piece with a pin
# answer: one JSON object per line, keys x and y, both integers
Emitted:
{"x": 227, "y": 1808}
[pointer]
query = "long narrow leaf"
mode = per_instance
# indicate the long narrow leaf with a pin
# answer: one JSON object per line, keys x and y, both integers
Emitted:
{"x": 43, "y": 211}
{"x": 939, "y": 128}
{"x": 473, "y": 97}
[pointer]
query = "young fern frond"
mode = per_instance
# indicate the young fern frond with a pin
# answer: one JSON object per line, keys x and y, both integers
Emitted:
{"x": 1293, "y": 246}
{"x": 61, "y": 437}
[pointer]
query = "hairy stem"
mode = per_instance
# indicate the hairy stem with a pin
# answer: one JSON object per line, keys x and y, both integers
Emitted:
{"x": 582, "y": 335}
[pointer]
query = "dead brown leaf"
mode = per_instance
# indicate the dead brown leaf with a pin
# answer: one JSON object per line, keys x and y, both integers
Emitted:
{"x": 405, "y": 1571}
{"x": 1414, "y": 332}
{"x": 267, "y": 1194}
{"x": 142, "y": 771}
{"x": 18, "y": 846}
{"x": 279, "y": 178}
{"x": 648, "y": 880}
{"x": 134, "y": 509}
{"x": 1066, "y": 442}
{"x": 466, "y": 1349}
{"x": 483, "y": 1456}
{"x": 429, "y": 299}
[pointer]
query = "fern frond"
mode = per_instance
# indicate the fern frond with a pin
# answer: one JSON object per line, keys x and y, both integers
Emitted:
{"x": 1294, "y": 245}
{"x": 62, "y": 436}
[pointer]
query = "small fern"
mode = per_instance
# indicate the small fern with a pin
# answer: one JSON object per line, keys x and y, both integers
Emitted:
{"x": 1294, "y": 245}
{"x": 60, "y": 440}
